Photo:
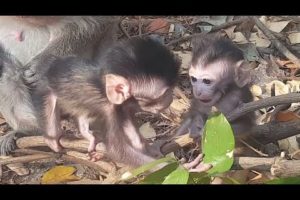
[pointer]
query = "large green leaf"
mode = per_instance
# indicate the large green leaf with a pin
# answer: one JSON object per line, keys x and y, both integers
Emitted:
{"x": 159, "y": 176}
{"x": 146, "y": 167}
{"x": 199, "y": 178}
{"x": 178, "y": 176}
{"x": 218, "y": 143}
{"x": 289, "y": 180}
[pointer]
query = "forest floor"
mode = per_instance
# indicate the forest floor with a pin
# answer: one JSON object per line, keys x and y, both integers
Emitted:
{"x": 275, "y": 72}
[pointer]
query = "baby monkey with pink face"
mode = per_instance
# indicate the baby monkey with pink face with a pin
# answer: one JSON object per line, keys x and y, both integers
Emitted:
{"x": 220, "y": 77}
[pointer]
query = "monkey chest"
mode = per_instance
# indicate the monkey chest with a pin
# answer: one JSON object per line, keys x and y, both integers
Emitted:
{"x": 23, "y": 42}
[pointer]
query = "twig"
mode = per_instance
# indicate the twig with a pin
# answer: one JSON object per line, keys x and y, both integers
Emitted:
{"x": 75, "y": 157}
{"x": 24, "y": 159}
{"x": 276, "y": 42}
{"x": 214, "y": 29}
{"x": 140, "y": 26}
{"x": 253, "y": 149}
{"x": 123, "y": 29}
{"x": 270, "y": 101}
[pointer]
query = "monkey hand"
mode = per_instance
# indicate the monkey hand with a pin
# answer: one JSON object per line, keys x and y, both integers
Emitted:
{"x": 155, "y": 148}
{"x": 35, "y": 69}
{"x": 8, "y": 143}
{"x": 197, "y": 165}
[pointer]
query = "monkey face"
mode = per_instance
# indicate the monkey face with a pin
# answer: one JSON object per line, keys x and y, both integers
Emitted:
{"x": 205, "y": 85}
{"x": 156, "y": 105}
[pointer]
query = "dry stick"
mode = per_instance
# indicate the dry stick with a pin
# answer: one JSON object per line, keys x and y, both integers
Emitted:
{"x": 123, "y": 29}
{"x": 73, "y": 156}
{"x": 270, "y": 101}
{"x": 140, "y": 26}
{"x": 214, "y": 29}
{"x": 276, "y": 42}
{"x": 24, "y": 159}
{"x": 253, "y": 149}
{"x": 278, "y": 166}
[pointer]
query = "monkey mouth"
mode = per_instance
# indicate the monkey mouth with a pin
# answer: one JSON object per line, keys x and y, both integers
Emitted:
{"x": 205, "y": 100}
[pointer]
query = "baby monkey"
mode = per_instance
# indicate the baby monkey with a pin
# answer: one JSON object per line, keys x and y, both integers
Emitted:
{"x": 132, "y": 76}
{"x": 220, "y": 77}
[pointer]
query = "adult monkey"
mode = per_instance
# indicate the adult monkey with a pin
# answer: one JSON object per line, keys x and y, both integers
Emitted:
{"x": 30, "y": 40}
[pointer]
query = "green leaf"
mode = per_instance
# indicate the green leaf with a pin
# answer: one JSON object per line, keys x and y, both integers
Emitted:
{"x": 178, "y": 176}
{"x": 146, "y": 167}
{"x": 289, "y": 180}
{"x": 199, "y": 178}
{"x": 159, "y": 176}
{"x": 218, "y": 143}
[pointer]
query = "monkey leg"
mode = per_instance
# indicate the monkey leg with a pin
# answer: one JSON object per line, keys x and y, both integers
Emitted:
{"x": 83, "y": 126}
{"x": 53, "y": 131}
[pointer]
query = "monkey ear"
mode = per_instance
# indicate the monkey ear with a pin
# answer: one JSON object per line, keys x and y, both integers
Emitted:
{"x": 242, "y": 73}
{"x": 117, "y": 88}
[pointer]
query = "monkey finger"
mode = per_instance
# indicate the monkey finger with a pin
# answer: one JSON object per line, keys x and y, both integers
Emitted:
{"x": 194, "y": 163}
{"x": 95, "y": 156}
{"x": 201, "y": 168}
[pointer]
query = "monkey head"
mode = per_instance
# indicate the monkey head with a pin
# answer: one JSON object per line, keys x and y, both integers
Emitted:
{"x": 216, "y": 66}
{"x": 142, "y": 72}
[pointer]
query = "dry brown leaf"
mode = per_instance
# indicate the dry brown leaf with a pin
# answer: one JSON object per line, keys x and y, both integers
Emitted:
{"x": 287, "y": 64}
{"x": 158, "y": 25}
{"x": 59, "y": 174}
{"x": 230, "y": 32}
{"x": 256, "y": 90}
{"x": 240, "y": 38}
{"x": 19, "y": 168}
{"x": 294, "y": 38}
{"x": 280, "y": 87}
{"x": 258, "y": 41}
{"x": 286, "y": 116}
{"x": 147, "y": 130}
{"x": 179, "y": 105}
{"x": 274, "y": 26}
{"x": 185, "y": 59}
{"x": 294, "y": 85}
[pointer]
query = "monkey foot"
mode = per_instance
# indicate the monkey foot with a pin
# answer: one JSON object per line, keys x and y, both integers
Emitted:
{"x": 197, "y": 165}
{"x": 54, "y": 145}
{"x": 95, "y": 156}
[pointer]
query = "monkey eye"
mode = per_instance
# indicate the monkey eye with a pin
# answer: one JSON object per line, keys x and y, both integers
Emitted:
{"x": 206, "y": 81}
{"x": 193, "y": 79}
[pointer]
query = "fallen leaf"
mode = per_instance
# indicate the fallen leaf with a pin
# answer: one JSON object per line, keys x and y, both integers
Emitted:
{"x": 280, "y": 87}
{"x": 19, "y": 168}
{"x": 294, "y": 38}
{"x": 240, "y": 38}
{"x": 59, "y": 174}
{"x": 230, "y": 32}
{"x": 147, "y": 130}
{"x": 185, "y": 59}
{"x": 286, "y": 116}
{"x": 256, "y": 90}
{"x": 179, "y": 105}
{"x": 274, "y": 26}
{"x": 277, "y": 27}
{"x": 158, "y": 25}
{"x": 258, "y": 41}
{"x": 213, "y": 20}
{"x": 294, "y": 85}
